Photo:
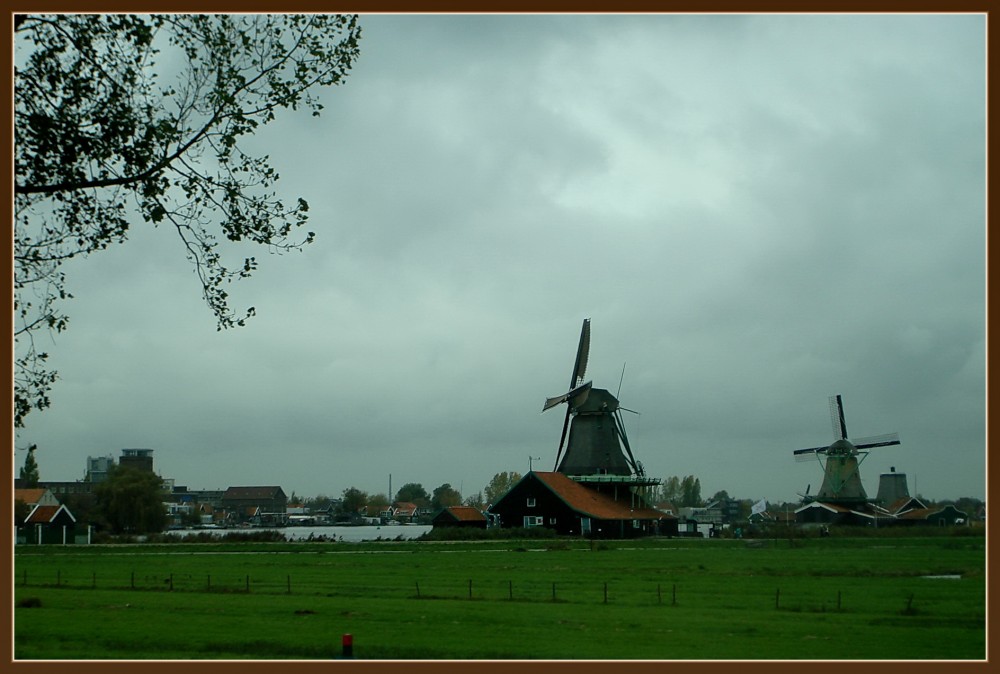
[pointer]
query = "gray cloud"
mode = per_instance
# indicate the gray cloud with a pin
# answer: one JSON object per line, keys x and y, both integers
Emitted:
{"x": 756, "y": 212}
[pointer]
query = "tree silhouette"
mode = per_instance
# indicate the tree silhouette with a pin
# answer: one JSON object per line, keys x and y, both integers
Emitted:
{"x": 130, "y": 501}
{"x": 121, "y": 117}
{"x": 29, "y": 472}
{"x": 445, "y": 496}
{"x": 499, "y": 485}
{"x": 413, "y": 492}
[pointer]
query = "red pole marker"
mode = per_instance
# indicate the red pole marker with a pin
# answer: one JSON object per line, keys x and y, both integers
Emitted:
{"x": 347, "y": 643}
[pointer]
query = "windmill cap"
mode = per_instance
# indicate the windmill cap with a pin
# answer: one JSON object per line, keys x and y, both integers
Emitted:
{"x": 599, "y": 400}
{"x": 842, "y": 447}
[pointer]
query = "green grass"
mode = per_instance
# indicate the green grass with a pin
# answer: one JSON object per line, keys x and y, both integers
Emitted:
{"x": 662, "y": 600}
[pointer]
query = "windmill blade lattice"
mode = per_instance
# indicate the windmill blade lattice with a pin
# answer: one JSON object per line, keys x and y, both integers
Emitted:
{"x": 877, "y": 441}
{"x": 582, "y": 355}
{"x": 837, "y": 418}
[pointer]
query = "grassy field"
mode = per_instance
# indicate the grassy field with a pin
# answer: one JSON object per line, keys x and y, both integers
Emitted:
{"x": 838, "y": 598}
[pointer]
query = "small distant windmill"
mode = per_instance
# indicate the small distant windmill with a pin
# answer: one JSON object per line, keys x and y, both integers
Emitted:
{"x": 841, "y": 480}
{"x": 597, "y": 433}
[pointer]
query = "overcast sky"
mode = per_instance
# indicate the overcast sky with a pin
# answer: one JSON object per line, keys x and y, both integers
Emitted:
{"x": 756, "y": 213}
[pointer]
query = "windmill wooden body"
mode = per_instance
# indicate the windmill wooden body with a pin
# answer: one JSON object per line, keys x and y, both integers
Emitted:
{"x": 841, "y": 476}
{"x": 593, "y": 446}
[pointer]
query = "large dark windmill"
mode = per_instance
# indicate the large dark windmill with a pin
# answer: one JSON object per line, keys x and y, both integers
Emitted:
{"x": 597, "y": 443}
{"x": 841, "y": 480}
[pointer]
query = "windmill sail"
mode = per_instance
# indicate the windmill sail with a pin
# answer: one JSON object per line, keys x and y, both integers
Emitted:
{"x": 576, "y": 396}
{"x": 837, "y": 418}
{"x": 582, "y": 355}
{"x": 877, "y": 441}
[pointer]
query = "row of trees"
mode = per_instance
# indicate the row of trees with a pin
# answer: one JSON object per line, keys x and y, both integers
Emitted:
{"x": 682, "y": 492}
{"x": 353, "y": 500}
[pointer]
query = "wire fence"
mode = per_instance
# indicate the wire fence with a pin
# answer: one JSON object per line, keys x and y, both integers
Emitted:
{"x": 619, "y": 592}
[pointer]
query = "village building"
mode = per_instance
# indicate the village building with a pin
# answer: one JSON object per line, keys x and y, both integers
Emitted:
{"x": 265, "y": 506}
{"x": 47, "y": 521}
{"x": 405, "y": 512}
{"x": 465, "y": 517}
{"x": 944, "y": 516}
{"x": 856, "y": 514}
{"x": 554, "y": 500}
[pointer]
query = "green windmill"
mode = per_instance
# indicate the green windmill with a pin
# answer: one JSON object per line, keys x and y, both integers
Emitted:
{"x": 842, "y": 460}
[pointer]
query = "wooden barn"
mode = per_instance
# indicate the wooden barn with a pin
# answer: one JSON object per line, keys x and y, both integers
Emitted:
{"x": 460, "y": 516}
{"x": 555, "y": 501}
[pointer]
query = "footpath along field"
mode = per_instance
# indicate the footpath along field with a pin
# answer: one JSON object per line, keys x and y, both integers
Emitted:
{"x": 668, "y": 599}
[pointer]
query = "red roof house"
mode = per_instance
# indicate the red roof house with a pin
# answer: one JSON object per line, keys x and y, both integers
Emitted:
{"x": 555, "y": 501}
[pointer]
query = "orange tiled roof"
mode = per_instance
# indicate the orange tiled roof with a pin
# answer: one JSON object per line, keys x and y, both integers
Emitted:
{"x": 898, "y": 505}
{"x": 29, "y": 496}
{"x": 406, "y": 508}
{"x": 46, "y": 514}
{"x": 466, "y": 513}
{"x": 593, "y": 503}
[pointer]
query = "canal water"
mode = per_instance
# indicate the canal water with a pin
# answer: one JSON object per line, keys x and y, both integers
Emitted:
{"x": 330, "y": 533}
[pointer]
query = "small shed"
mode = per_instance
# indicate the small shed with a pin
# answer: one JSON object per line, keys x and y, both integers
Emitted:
{"x": 50, "y": 524}
{"x": 460, "y": 516}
